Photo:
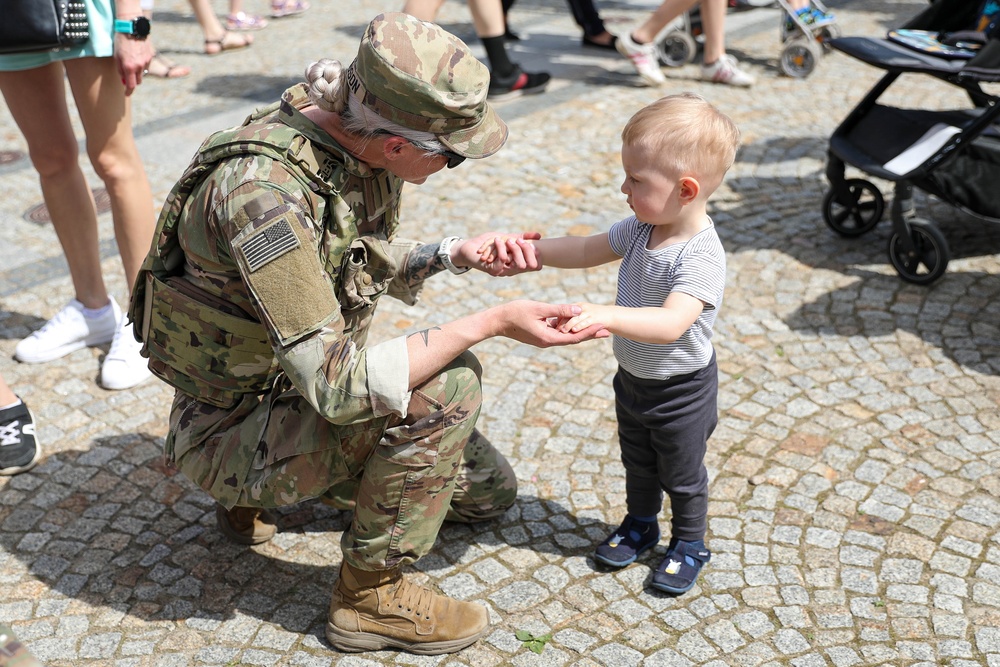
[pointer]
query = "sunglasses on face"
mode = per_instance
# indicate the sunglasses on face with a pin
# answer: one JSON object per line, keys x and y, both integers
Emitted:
{"x": 454, "y": 159}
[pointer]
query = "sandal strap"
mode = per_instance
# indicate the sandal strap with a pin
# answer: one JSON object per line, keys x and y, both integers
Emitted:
{"x": 686, "y": 550}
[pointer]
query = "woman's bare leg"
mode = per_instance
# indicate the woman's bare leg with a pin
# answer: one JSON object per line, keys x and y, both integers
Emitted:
{"x": 487, "y": 17}
{"x": 37, "y": 101}
{"x": 425, "y": 10}
{"x": 661, "y": 16}
{"x": 106, "y": 114}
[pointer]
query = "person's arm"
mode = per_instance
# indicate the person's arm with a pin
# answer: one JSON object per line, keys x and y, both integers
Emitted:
{"x": 565, "y": 252}
{"x": 131, "y": 55}
{"x": 528, "y": 322}
{"x": 660, "y": 325}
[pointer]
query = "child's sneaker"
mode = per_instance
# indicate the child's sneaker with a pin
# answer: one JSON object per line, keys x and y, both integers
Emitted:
{"x": 517, "y": 83}
{"x": 726, "y": 70}
{"x": 124, "y": 367}
{"x": 18, "y": 448}
{"x": 628, "y": 541}
{"x": 681, "y": 566}
{"x": 820, "y": 18}
{"x": 68, "y": 331}
{"x": 644, "y": 58}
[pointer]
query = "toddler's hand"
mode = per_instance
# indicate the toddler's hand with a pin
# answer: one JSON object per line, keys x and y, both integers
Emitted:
{"x": 590, "y": 314}
{"x": 504, "y": 254}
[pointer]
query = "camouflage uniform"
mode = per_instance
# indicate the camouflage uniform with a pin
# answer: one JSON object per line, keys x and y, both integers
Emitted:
{"x": 271, "y": 254}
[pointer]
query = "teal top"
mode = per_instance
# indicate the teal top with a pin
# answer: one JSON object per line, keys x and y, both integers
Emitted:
{"x": 101, "y": 14}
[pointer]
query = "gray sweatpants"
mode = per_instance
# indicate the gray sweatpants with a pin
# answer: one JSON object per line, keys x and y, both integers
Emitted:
{"x": 663, "y": 429}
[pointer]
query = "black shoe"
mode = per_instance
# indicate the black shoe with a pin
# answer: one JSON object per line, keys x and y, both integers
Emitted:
{"x": 627, "y": 542}
{"x": 590, "y": 43}
{"x": 18, "y": 447}
{"x": 517, "y": 83}
{"x": 510, "y": 36}
{"x": 681, "y": 566}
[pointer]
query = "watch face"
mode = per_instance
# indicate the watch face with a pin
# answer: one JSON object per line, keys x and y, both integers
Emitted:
{"x": 140, "y": 27}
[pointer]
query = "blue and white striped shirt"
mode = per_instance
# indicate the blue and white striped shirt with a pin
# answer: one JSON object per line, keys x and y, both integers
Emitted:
{"x": 696, "y": 267}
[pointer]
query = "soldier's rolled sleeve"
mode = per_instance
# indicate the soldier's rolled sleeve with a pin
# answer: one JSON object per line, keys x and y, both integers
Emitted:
{"x": 388, "y": 366}
{"x": 345, "y": 384}
{"x": 399, "y": 288}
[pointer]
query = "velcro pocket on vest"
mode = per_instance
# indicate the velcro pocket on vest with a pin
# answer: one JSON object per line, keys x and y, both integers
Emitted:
{"x": 211, "y": 347}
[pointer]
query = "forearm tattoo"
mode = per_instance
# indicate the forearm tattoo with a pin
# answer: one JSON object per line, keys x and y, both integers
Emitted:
{"x": 423, "y": 263}
{"x": 426, "y": 335}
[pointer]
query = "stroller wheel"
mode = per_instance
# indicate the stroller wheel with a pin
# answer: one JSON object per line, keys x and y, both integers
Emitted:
{"x": 826, "y": 33}
{"x": 800, "y": 57}
{"x": 928, "y": 258}
{"x": 677, "y": 49}
{"x": 859, "y": 214}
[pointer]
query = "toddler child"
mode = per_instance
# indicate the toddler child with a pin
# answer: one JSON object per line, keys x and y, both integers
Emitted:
{"x": 675, "y": 153}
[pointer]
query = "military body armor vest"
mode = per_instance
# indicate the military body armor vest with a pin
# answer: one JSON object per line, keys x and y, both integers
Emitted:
{"x": 195, "y": 341}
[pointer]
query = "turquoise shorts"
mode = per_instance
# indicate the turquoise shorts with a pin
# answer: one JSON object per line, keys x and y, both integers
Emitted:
{"x": 100, "y": 45}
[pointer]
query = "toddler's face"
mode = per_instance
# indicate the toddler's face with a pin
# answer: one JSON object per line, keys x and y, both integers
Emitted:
{"x": 649, "y": 188}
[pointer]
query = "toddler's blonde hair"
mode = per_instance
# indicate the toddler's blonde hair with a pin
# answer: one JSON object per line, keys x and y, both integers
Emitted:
{"x": 686, "y": 135}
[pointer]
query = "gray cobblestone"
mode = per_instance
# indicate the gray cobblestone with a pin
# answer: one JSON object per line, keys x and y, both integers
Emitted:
{"x": 854, "y": 472}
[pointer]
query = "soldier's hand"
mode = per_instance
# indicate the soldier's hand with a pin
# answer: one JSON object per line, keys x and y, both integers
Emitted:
{"x": 535, "y": 323}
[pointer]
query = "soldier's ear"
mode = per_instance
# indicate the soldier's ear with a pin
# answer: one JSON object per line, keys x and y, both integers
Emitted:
{"x": 392, "y": 146}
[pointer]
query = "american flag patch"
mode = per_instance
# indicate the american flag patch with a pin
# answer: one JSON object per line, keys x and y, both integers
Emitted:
{"x": 268, "y": 244}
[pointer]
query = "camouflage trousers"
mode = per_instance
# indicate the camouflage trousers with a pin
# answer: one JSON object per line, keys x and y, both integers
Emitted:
{"x": 402, "y": 475}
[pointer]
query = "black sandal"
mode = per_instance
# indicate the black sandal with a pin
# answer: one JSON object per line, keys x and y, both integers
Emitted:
{"x": 589, "y": 42}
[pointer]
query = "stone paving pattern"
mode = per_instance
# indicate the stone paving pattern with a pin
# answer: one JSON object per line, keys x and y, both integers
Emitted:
{"x": 855, "y": 496}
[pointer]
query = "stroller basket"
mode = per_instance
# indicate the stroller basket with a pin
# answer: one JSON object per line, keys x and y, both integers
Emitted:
{"x": 953, "y": 154}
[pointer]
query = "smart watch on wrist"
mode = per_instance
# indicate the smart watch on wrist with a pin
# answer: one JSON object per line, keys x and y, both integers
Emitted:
{"x": 444, "y": 253}
{"x": 137, "y": 28}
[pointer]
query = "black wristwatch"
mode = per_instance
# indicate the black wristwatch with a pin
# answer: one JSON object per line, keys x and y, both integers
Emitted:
{"x": 137, "y": 28}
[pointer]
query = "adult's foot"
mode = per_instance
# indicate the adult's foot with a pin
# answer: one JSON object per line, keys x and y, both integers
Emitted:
{"x": 517, "y": 83}
{"x": 604, "y": 40}
{"x": 244, "y": 21}
{"x": 726, "y": 70}
{"x": 374, "y": 610}
{"x": 643, "y": 57}
{"x": 229, "y": 41}
{"x": 164, "y": 68}
{"x": 288, "y": 8}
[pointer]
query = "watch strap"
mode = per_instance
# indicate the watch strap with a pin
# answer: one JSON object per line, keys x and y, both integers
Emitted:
{"x": 444, "y": 253}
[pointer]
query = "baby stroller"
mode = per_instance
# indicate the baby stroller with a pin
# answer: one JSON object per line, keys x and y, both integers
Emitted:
{"x": 952, "y": 154}
{"x": 803, "y": 39}
{"x": 677, "y": 43}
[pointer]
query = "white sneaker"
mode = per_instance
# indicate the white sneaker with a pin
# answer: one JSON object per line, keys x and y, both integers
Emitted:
{"x": 124, "y": 367}
{"x": 644, "y": 58}
{"x": 726, "y": 70}
{"x": 67, "y": 332}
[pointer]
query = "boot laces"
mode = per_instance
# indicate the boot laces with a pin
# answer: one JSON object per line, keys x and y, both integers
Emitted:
{"x": 413, "y": 598}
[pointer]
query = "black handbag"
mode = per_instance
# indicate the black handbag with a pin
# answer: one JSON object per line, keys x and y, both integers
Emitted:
{"x": 42, "y": 25}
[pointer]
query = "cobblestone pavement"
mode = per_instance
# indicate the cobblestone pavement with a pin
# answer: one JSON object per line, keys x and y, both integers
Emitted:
{"x": 855, "y": 497}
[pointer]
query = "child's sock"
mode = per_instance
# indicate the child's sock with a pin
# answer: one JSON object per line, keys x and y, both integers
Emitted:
{"x": 640, "y": 525}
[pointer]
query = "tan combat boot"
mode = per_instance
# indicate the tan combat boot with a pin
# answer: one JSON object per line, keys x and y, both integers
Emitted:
{"x": 375, "y": 610}
{"x": 246, "y": 525}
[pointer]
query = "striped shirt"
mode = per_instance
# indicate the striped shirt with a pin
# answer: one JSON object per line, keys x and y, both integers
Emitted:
{"x": 696, "y": 267}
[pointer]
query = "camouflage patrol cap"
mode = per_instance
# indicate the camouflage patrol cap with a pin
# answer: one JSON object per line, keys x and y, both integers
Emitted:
{"x": 417, "y": 75}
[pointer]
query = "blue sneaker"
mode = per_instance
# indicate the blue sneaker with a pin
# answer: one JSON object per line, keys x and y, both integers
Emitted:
{"x": 820, "y": 18}
{"x": 681, "y": 566}
{"x": 628, "y": 541}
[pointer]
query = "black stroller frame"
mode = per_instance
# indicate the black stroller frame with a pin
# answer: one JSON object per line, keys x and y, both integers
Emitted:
{"x": 951, "y": 154}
